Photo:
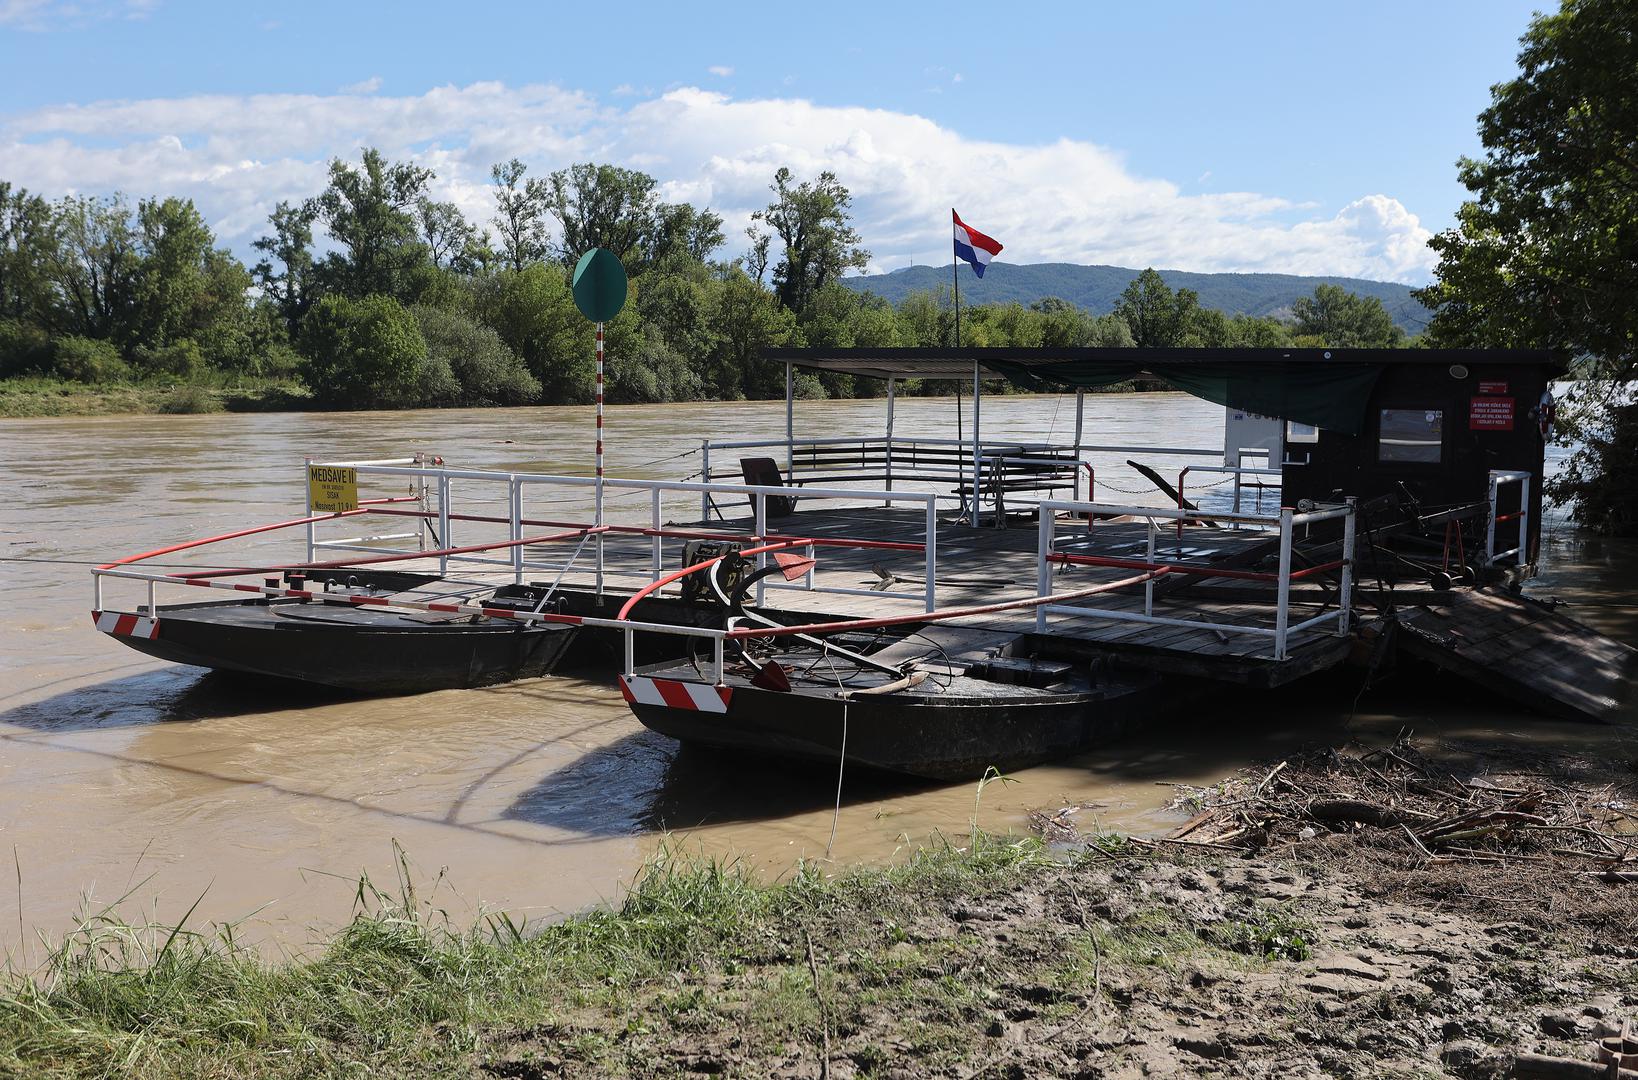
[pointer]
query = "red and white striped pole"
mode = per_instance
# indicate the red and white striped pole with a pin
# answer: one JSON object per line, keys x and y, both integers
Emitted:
{"x": 599, "y": 517}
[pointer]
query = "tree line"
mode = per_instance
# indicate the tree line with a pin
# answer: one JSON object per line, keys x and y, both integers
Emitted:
{"x": 372, "y": 293}
{"x": 1545, "y": 252}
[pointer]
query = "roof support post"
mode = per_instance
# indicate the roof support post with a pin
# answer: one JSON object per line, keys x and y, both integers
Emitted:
{"x": 977, "y": 445}
{"x": 790, "y": 421}
{"x": 892, "y": 386}
{"x": 1080, "y": 427}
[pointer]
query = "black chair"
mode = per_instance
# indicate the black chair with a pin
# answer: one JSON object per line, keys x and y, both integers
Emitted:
{"x": 763, "y": 472}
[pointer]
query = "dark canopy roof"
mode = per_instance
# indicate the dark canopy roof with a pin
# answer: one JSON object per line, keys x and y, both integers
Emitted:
{"x": 1328, "y": 388}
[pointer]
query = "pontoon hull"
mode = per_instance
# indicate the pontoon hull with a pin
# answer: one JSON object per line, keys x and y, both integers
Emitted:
{"x": 372, "y": 652}
{"x": 916, "y": 735}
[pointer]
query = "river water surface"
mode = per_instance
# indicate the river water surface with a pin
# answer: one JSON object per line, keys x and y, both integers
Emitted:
{"x": 122, "y": 776}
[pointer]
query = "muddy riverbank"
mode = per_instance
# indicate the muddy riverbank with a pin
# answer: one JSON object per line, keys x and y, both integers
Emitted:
{"x": 987, "y": 957}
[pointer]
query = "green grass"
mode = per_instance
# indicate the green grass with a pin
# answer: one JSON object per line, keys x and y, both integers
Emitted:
{"x": 702, "y": 964}
{"x": 1269, "y": 932}
{"x": 402, "y": 991}
{"x": 37, "y": 396}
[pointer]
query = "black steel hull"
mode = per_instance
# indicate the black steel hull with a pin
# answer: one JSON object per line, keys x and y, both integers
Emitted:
{"x": 371, "y": 652}
{"x": 938, "y": 738}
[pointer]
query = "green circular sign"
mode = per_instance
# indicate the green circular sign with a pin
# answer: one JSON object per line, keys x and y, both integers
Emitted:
{"x": 599, "y": 285}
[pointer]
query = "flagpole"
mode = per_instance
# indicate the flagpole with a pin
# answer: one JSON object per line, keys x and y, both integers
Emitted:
{"x": 955, "y": 280}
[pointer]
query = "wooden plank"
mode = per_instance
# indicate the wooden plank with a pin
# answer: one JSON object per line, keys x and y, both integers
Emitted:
{"x": 1526, "y": 651}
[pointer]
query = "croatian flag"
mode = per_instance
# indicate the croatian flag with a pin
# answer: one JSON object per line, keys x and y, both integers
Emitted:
{"x": 974, "y": 246}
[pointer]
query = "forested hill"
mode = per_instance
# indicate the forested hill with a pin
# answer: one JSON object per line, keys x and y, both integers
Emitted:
{"x": 1096, "y": 288}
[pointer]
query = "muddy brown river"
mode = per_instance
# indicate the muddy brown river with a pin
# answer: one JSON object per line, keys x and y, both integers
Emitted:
{"x": 124, "y": 777}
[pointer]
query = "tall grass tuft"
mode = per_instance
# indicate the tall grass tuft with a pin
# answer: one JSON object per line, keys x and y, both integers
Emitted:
{"x": 401, "y": 989}
{"x": 190, "y": 399}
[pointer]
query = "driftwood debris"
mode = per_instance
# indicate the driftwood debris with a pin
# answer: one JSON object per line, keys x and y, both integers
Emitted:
{"x": 1543, "y": 1067}
{"x": 1436, "y": 810}
{"x": 1617, "y": 1059}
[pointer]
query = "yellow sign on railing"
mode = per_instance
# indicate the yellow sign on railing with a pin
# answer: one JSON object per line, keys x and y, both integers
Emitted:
{"x": 332, "y": 488}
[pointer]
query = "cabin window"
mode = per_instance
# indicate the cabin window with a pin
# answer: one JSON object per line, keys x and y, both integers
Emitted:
{"x": 1414, "y": 436}
{"x": 1300, "y": 433}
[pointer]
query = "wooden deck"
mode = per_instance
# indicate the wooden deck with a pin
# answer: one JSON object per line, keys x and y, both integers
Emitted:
{"x": 990, "y": 565}
{"x": 1524, "y": 649}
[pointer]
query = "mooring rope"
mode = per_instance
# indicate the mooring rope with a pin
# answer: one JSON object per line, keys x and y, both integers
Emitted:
{"x": 841, "y": 764}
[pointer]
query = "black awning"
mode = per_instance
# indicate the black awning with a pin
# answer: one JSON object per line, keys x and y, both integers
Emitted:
{"x": 1328, "y": 388}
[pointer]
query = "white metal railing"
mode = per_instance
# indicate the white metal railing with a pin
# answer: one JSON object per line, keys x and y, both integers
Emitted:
{"x": 442, "y": 482}
{"x": 1519, "y": 554}
{"x": 957, "y": 470}
{"x": 993, "y": 470}
{"x": 1286, "y": 522}
{"x": 892, "y": 467}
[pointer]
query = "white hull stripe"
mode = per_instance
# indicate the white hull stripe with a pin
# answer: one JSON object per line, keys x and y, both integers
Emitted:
{"x": 124, "y": 625}
{"x": 675, "y": 694}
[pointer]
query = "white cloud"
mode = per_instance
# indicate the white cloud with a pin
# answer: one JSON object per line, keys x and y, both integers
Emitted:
{"x": 1063, "y": 201}
{"x": 721, "y": 71}
{"x": 366, "y": 86}
{"x": 60, "y": 15}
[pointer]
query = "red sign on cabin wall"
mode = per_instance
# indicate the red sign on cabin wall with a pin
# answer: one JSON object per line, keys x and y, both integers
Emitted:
{"x": 1490, "y": 414}
{"x": 1492, "y": 387}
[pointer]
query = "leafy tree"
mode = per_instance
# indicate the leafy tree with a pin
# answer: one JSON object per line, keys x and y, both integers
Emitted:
{"x": 685, "y": 234}
{"x": 655, "y": 371}
{"x": 286, "y": 275}
{"x": 812, "y": 224}
{"x": 750, "y": 319}
{"x": 185, "y": 286}
{"x": 1254, "y": 332}
{"x": 608, "y": 207}
{"x": 1004, "y": 325}
{"x": 678, "y": 306}
{"x": 25, "y": 349}
{"x": 1205, "y": 328}
{"x": 534, "y": 314}
{"x": 27, "y": 242}
{"x": 368, "y": 212}
{"x": 248, "y": 339}
{"x": 927, "y": 319}
{"x": 484, "y": 370}
{"x": 364, "y": 353}
{"x": 87, "y": 360}
{"x": 174, "y": 246}
{"x": 1156, "y": 316}
{"x": 1545, "y": 252}
{"x": 876, "y": 324}
{"x": 758, "y": 255}
{"x": 521, "y": 214}
{"x": 93, "y": 268}
{"x": 450, "y": 240}
{"x": 1345, "y": 320}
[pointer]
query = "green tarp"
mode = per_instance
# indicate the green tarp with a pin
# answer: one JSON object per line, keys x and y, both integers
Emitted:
{"x": 1332, "y": 396}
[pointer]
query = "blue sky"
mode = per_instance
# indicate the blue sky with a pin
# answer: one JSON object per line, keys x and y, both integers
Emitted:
{"x": 1310, "y": 138}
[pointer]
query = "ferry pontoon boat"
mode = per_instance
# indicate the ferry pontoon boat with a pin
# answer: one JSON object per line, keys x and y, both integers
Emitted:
{"x": 936, "y": 606}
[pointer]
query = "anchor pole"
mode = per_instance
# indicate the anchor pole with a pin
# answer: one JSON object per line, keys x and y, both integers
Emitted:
{"x": 599, "y": 516}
